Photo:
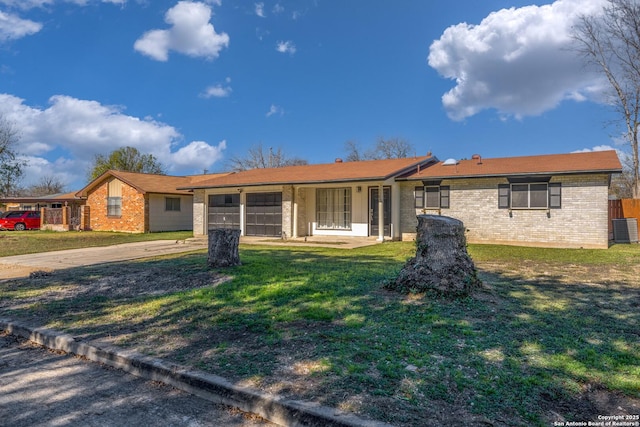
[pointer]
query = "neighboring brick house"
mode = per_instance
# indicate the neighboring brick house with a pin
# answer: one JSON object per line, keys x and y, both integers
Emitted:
{"x": 552, "y": 200}
{"x": 138, "y": 202}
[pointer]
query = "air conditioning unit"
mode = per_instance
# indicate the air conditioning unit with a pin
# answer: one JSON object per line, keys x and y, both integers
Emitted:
{"x": 625, "y": 230}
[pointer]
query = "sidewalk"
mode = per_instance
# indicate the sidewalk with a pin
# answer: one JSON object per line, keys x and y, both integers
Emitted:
{"x": 22, "y": 265}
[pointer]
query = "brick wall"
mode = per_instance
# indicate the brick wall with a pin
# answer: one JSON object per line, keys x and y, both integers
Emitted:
{"x": 581, "y": 222}
{"x": 199, "y": 210}
{"x": 134, "y": 210}
{"x": 301, "y": 200}
{"x": 287, "y": 211}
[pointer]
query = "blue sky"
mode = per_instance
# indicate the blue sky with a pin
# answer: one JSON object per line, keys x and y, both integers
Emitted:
{"x": 198, "y": 82}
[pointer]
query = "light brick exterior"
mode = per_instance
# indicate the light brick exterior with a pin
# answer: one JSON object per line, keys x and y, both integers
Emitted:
{"x": 582, "y": 220}
{"x": 287, "y": 211}
{"x": 301, "y": 201}
{"x": 199, "y": 213}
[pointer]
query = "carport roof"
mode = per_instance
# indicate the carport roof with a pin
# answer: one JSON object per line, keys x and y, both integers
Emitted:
{"x": 371, "y": 170}
{"x": 55, "y": 198}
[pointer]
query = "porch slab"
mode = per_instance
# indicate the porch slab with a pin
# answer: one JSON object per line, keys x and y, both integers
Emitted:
{"x": 310, "y": 241}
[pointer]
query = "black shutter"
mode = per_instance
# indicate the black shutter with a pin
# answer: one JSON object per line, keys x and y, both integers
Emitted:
{"x": 418, "y": 194}
{"x": 555, "y": 196}
{"x": 503, "y": 196}
{"x": 444, "y": 197}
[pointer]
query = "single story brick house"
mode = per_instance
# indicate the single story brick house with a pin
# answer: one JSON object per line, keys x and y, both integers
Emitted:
{"x": 139, "y": 202}
{"x": 551, "y": 200}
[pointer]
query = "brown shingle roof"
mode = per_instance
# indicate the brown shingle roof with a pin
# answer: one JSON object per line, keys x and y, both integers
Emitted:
{"x": 591, "y": 162}
{"x": 307, "y": 174}
{"x": 149, "y": 183}
{"x": 60, "y": 197}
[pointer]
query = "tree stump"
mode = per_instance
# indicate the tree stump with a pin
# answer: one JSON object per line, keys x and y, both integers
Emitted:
{"x": 442, "y": 263}
{"x": 223, "y": 247}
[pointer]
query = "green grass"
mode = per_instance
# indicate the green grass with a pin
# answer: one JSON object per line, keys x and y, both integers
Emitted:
{"x": 29, "y": 242}
{"x": 549, "y": 326}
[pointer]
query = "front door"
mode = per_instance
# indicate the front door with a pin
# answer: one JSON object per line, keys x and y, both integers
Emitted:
{"x": 374, "y": 195}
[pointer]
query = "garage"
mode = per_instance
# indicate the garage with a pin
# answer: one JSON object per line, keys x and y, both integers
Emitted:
{"x": 264, "y": 214}
{"x": 224, "y": 211}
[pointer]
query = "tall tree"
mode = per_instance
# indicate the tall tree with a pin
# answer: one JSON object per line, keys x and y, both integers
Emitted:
{"x": 127, "y": 159}
{"x": 259, "y": 158}
{"x": 11, "y": 167}
{"x": 392, "y": 148}
{"x": 611, "y": 42}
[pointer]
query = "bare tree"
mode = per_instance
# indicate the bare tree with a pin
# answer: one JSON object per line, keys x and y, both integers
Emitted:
{"x": 392, "y": 148}
{"x": 622, "y": 184}
{"x": 48, "y": 185}
{"x": 11, "y": 168}
{"x": 611, "y": 43}
{"x": 258, "y": 158}
{"x": 354, "y": 154}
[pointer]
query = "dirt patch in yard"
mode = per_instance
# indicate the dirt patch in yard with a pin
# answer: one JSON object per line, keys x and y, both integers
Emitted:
{"x": 10, "y": 271}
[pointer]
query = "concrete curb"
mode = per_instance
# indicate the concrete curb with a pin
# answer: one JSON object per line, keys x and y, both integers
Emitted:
{"x": 210, "y": 387}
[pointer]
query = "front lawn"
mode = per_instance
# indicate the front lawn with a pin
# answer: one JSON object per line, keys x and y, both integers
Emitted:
{"x": 553, "y": 335}
{"x": 30, "y": 242}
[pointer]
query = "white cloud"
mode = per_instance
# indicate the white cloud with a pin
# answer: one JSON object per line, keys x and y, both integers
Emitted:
{"x": 190, "y": 33}
{"x": 14, "y": 27}
{"x": 596, "y": 148}
{"x": 517, "y": 61}
{"x": 286, "y": 47}
{"x": 198, "y": 155}
{"x": 259, "y": 9}
{"x": 278, "y": 8}
{"x": 81, "y": 129}
{"x": 274, "y": 109}
{"x": 217, "y": 91}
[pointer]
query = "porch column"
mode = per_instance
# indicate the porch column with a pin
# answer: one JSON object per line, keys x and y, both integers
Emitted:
{"x": 380, "y": 213}
{"x": 294, "y": 232}
{"x": 243, "y": 199}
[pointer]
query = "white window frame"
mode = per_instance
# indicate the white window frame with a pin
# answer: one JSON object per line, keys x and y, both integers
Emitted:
{"x": 333, "y": 208}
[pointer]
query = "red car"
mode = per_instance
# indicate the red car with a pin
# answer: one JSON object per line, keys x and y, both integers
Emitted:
{"x": 20, "y": 220}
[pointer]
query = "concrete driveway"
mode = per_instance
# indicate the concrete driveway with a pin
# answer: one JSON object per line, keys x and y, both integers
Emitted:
{"x": 22, "y": 265}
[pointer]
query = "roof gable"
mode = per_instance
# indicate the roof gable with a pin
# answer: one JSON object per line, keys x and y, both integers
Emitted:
{"x": 147, "y": 183}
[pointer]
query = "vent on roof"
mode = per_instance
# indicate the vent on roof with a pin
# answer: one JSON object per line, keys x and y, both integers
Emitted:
{"x": 625, "y": 230}
{"x": 338, "y": 160}
{"x": 477, "y": 157}
{"x": 450, "y": 162}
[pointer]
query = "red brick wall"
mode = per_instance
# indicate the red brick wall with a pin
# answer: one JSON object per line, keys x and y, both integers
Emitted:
{"x": 134, "y": 210}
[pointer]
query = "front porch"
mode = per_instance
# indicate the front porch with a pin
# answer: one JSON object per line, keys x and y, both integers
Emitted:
{"x": 309, "y": 241}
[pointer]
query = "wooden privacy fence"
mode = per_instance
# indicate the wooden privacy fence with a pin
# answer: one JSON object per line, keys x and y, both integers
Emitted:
{"x": 624, "y": 208}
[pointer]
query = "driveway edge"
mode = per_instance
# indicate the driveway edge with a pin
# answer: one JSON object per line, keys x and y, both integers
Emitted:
{"x": 207, "y": 386}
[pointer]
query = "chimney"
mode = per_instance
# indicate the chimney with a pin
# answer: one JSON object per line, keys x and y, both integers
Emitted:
{"x": 477, "y": 157}
{"x": 338, "y": 160}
